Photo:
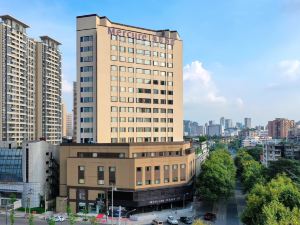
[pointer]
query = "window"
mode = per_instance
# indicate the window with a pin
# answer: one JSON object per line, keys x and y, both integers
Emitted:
{"x": 130, "y": 79}
{"x": 112, "y": 175}
{"x": 114, "y": 109}
{"x": 81, "y": 170}
{"x": 130, "y": 109}
{"x": 139, "y": 176}
{"x": 131, "y": 90}
{"x": 122, "y": 119}
{"x": 86, "y": 119}
{"x": 86, "y": 99}
{"x": 122, "y": 59}
{"x": 131, "y": 119}
{"x": 86, "y": 79}
{"x": 114, "y": 119}
{"x": 86, "y": 38}
{"x": 122, "y": 39}
{"x": 86, "y": 109}
{"x": 100, "y": 175}
{"x": 130, "y": 70}
{"x": 86, "y": 89}
{"x": 122, "y": 109}
{"x": 113, "y": 68}
{"x": 122, "y": 68}
{"x": 130, "y": 60}
{"x": 114, "y": 98}
{"x": 130, "y": 50}
{"x": 86, "y": 49}
{"x": 114, "y": 140}
{"x": 113, "y": 58}
{"x": 86, "y": 59}
{"x": 86, "y": 69}
{"x": 122, "y": 129}
{"x": 130, "y": 40}
{"x": 114, "y": 48}
{"x": 113, "y": 37}
{"x": 122, "y": 49}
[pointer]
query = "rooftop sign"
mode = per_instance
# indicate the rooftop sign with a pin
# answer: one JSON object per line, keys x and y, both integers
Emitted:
{"x": 140, "y": 36}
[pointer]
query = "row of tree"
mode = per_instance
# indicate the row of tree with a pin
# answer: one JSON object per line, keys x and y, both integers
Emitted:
{"x": 217, "y": 178}
{"x": 273, "y": 197}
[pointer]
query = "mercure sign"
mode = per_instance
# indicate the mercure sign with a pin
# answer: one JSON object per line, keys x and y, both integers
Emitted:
{"x": 140, "y": 36}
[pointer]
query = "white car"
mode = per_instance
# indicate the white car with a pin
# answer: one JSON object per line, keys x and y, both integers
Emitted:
{"x": 59, "y": 219}
{"x": 171, "y": 220}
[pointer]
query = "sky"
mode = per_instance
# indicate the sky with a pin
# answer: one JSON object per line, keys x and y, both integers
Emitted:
{"x": 241, "y": 57}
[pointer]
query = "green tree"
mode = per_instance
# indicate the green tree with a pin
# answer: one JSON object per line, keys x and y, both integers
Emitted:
{"x": 288, "y": 166}
{"x": 30, "y": 219}
{"x": 280, "y": 189}
{"x": 69, "y": 211}
{"x": 255, "y": 152}
{"x": 217, "y": 178}
{"x": 72, "y": 219}
{"x": 202, "y": 139}
{"x": 93, "y": 220}
{"x": 12, "y": 217}
{"x": 253, "y": 172}
{"x": 276, "y": 213}
{"x": 199, "y": 222}
{"x": 51, "y": 221}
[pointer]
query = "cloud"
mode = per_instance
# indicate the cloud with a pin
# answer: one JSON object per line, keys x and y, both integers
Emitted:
{"x": 239, "y": 102}
{"x": 67, "y": 86}
{"x": 199, "y": 86}
{"x": 290, "y": 69}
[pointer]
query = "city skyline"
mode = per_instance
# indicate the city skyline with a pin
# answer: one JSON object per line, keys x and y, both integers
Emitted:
{"x": 219, "y": 78}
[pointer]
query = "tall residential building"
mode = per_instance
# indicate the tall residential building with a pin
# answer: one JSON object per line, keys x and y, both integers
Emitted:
{"x": 74, "y": 110}
{"x": 30, "y": 85}
{"x": 48, "y": 93}
{"x": 228, "y": 123}
{"x": 64, "y": 119}
{"x": 247, "y": 122}
{"x": 17, "y": 83}
{"x": 279, "y": 127}
{"x": 69, "y": 124}
{"x": 214, "y": 130}
{"x": 129, "y": 83}
{"x": 222, "y": 121}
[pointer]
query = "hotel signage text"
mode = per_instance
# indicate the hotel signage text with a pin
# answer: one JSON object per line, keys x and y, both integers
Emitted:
{"x": 140, "y": 36}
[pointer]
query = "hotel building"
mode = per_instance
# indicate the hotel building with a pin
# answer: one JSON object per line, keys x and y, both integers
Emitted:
{"x": 29, "y": 86}
{"x": 129, "y": 83}
{"x": 129, "y": 121}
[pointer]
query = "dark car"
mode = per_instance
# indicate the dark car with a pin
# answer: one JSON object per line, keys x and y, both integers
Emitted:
{"x": 210, "y": 216}
{"x": 186, "y": 220}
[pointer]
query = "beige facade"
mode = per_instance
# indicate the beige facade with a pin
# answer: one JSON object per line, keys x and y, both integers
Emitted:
{"x": 136, "y": 167}
{"x": 30, "y": 85}
{"x": 74, "y": 111}
{"x": 129, "y": 83}
{"x": 48, "y": 94}
{"x": 64, "y": 119}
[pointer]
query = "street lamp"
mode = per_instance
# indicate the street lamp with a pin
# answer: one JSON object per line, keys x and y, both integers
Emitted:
{"x": 112, "y": 202}
{"x": 127, "y": 214}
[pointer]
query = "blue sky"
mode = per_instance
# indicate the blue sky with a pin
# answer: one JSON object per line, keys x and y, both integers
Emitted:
{"x": 241, "y": 57}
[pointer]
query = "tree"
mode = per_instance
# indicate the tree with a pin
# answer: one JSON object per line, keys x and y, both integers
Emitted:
{"x": 30, "y": 219}
{"x": 288, "y": 166}
{"x": 276, "y": 213}
{"x": 252, "y": 174}
{"x": 93, "y": 220}
{"x": 280, "y": 189}
{"x": 69, "y": 211}
{"x": 202, "y": 139}
{"x": 199, "y": 222}
{"x": 12, "y": 216}
{"x": 72, "y": 219}
{"x": 217, "y": 178}
{"x": 255, "y": 152}
{"x": 51, "y": 221}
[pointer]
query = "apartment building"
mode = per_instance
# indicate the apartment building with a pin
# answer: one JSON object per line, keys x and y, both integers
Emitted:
{"x": 17, "y": 83}
{"x": 279, "y": 127}
{"x": 144, "y": 175}
{"x": 30, "y": 87}
{"x": 48, "y": 94}
{"x": 69, "y": 124}
{"x": 129, "y": 83}
{"x": 74, "y": 111}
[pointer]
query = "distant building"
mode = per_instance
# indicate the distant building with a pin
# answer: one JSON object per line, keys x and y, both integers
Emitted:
{"x": 274, "y": 151}
{"x": 239, "y": 125}
{"x": 192, "y": 128}
{"x": 279, "y": 127}
{"x": 231, "y": 132}
{"x": 64, "y": 119}
{"x": 74, "y": 110}
{"x": 69, "y": 124}
{"x": 228, "y": 123}
{"x": 247, "y": 122}
{"x": 222, "y": 121}
{"x": 214, "y": 130}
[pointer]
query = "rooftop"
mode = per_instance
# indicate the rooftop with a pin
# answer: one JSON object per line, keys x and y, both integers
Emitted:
{"x": 5, "y": 17}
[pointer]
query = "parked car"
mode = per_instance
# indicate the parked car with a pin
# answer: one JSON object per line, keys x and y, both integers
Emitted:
{"x": 210, "y": 216}
{"x": 157, "y": 222}
{"x": 171, "y": 220}
{"x": 186, "y": 220}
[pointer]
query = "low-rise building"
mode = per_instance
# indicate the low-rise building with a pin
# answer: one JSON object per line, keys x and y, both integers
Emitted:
{"x": 275, "y": 150}
{"x": 145, "y": 175}
{"x": 30, "y": 173}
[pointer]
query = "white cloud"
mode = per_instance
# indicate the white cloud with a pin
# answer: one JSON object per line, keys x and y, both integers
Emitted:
{"x": 67, "y": 86}
{"x": 290, "y": 69}
{"x": 239, "y": 102}
{"x": 199, "y": 86}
